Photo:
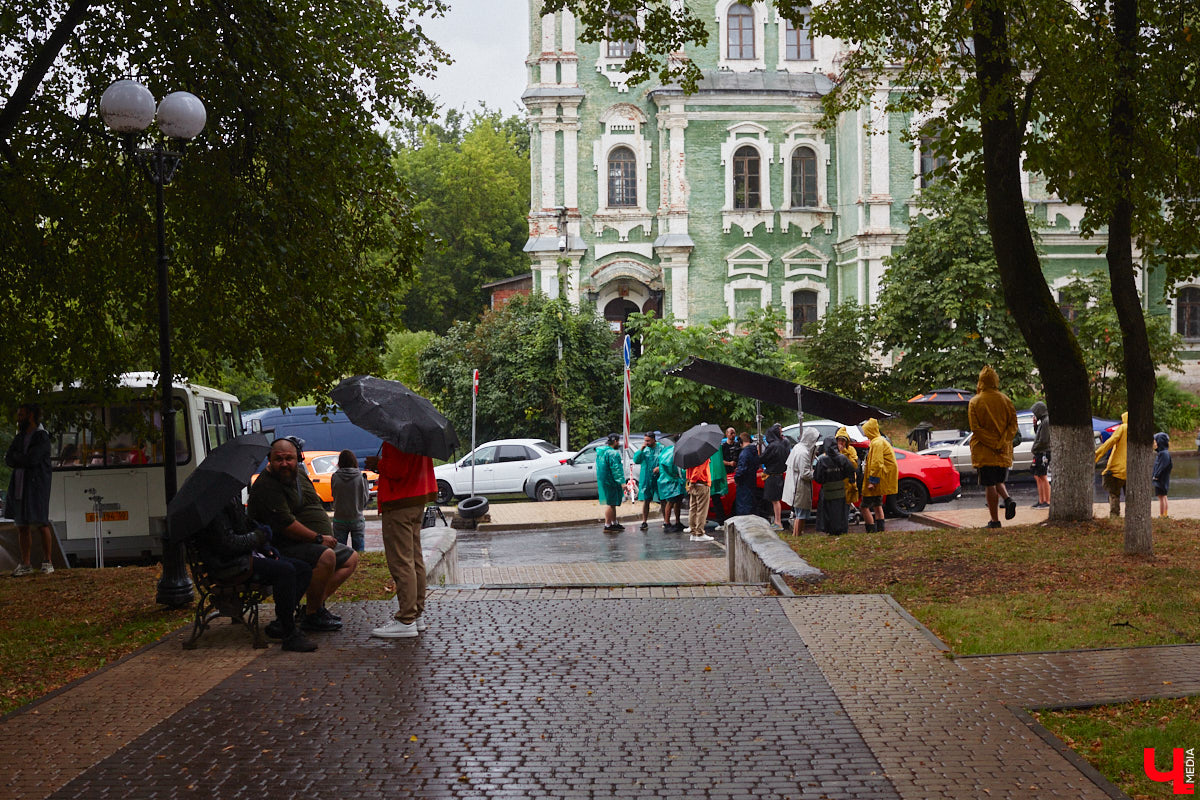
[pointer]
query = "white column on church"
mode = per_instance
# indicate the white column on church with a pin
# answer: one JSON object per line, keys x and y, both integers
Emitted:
{"x": 547, "y": 129}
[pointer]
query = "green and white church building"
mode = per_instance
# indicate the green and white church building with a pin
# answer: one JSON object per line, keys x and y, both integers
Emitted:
{"x": 704, "y": 205}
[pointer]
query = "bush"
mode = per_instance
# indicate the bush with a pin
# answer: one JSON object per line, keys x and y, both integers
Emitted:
{"x": 1174, "y": 408}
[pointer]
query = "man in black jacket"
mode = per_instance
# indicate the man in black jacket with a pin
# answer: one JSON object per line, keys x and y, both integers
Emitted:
{"x": 230, "y": 547}
{"x": 774, "y": 462}
{"x": 29, "y": 487}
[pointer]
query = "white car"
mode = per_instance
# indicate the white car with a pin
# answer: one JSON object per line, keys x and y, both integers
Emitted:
{"x": 501, "y": 466}
{"x": 959, "y": 453}
{"x": 827, "y": 428}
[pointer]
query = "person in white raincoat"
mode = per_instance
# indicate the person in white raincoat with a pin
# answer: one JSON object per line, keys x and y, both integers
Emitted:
{"x": 797, "y": 481}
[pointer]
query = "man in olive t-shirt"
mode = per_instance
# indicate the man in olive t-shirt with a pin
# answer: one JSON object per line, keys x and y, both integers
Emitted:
{"x": 284, "y": 498}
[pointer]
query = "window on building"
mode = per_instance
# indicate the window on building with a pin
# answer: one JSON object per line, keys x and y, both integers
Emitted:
{"x": 930, "y": 160}
{"x": 618, "y": 48}
{"x": 1188, "y": 318}
{"x": 740, "y": 33}
{"x": 797, "y": 39}
{"x": 804, "y": 310}
{"x": 804, "y": 178}
{"x": 1067, "y": 308}
{"x": 745, "y": 301}
{"x": 747, "y": 179}
{"x": 622, "y": 178}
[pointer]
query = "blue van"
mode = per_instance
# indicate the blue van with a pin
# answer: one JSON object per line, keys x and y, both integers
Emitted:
{"x": 332, "y": 432}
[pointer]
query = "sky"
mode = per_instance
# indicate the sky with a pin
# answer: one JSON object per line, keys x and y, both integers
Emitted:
{"x": 488, "y": 40}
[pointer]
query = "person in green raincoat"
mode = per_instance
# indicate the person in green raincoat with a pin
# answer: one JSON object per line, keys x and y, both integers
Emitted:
{"x": 720, "y": 484}
{"x": 610, "y": 481}
{"x": 648, "y": 480}
{"x": 671, "y": 489}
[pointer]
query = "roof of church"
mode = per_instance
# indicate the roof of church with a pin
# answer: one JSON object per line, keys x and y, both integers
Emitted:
{"x": 813, "y": 84}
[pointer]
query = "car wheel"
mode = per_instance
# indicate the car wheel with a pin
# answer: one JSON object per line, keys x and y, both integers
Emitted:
{"x": 912, "y": 496}
{"x": 545, "y": 492}
{"x": 445, "y": 494}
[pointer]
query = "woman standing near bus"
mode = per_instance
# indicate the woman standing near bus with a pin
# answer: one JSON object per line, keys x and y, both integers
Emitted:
{"x": 350, "y": 495}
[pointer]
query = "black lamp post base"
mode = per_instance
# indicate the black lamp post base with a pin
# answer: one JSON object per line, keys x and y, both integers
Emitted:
{"x": 174, "y": 587}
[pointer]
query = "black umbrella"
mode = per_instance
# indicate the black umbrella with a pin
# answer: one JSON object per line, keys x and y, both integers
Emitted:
{"x": 219, "y": 478}
{"x": 396, "y": 414}
{"x": 697, "y": 444}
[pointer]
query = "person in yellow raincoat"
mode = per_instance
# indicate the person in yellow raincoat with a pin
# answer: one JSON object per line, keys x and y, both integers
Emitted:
{"x": 1114, "y": 470}
{"x": 881, "y": 476}
{"x": 993, "y": 421}
{"x": 851, "y": 452}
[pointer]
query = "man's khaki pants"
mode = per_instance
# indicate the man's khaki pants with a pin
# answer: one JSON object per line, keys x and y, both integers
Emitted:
{"x": 698, "y": 497}
{"x": 402, "y": 547}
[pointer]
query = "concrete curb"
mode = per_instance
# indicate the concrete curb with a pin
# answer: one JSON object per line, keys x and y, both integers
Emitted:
{"x": 755, "y": 553}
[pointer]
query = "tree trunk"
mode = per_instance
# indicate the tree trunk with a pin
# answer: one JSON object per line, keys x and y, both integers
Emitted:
{"x": 1050, "y": 339}
{"x": 1139, "y": 368}
{"x": 1072, "y": 470}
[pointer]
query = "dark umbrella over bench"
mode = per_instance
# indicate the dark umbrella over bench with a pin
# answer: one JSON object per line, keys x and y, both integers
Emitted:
{"x": 219, "y": 478}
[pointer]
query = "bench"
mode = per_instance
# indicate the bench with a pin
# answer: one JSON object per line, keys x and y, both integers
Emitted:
{"x": 237, "y": 599}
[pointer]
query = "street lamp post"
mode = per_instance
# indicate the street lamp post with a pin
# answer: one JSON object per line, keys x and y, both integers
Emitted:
{"x": 128, "y": 108}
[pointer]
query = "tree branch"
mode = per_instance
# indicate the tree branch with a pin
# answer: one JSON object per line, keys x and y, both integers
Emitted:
{"x": 27, "y": 87}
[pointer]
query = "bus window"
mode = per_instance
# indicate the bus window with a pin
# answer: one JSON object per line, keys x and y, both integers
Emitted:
{"x": 131, "y": 437}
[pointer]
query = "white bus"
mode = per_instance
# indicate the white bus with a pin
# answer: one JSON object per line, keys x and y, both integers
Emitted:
{"x": 114, "y": 450}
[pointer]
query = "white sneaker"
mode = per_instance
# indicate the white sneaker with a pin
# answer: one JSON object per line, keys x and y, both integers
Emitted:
{"x": 688, "y": 529}
{"x": 422, "y": 624}
{"x": 396, "y": 630}
{"x": 21, "y": 570}
{"x": 47, "y": 568}
{"x": 704, "y": 537}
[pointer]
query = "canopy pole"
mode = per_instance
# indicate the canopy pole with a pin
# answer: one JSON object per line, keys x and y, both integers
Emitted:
{"x": 799, "y": 409}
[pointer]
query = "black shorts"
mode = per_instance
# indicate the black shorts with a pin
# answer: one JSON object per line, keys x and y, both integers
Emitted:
{"x": 1041, "y": 464}
{"x": 311, "y": 552}
{"x": 872, "y": 501}
{"x": 990, "y": 476}
{"x": 773, "y": 487}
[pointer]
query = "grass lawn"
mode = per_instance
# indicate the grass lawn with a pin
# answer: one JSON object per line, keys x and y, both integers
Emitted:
{"x": 1025, "y": 589}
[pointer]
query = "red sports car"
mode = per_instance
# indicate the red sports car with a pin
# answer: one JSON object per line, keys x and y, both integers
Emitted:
{"x": 923, "y": 480}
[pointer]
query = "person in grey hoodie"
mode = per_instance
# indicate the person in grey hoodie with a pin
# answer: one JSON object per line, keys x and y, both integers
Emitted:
{"x": 1041, "y": 453}
{"x": 350, "y": 495}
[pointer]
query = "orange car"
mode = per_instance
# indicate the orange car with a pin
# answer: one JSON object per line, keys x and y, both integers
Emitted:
{"x": 321, "y": 464}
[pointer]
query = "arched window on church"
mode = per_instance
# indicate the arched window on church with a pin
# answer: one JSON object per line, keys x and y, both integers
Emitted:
{"x": 740, "y": 21}
{"x": 1187, "y": 304}
{"x": 931, "y": 161}
{"x": 804, "y": 310}
{"x": 618, "y": 48}
{"x": 804, "y": 178}
{"x": 622, "y": 178}
{"x": 747, "y": 178}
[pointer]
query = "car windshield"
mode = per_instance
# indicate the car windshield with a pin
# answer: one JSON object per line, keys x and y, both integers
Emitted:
{"x": 546, "y": 447}
{"x": 323, "y": 464}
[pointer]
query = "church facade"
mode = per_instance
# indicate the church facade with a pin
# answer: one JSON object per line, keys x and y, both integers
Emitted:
{"x": 707, "y": 205}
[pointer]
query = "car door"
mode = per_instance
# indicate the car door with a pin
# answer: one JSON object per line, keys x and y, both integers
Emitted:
{"x": 485, "y": 458}
{"x": 577, "y": 478}
{"x": 512, "y": 466}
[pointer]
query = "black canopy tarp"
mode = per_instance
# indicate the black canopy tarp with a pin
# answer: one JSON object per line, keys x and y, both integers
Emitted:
{"x": 775, "y": 391}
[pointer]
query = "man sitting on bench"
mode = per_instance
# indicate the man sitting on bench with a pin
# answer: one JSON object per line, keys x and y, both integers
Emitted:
{"x": 231, "y": 547}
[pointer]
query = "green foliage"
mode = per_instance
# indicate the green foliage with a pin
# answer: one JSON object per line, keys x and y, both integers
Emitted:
{"x": 270, "y": 215}
{"x": 402, "y": 359}
{"x": 524, "y": 386}
{"x": 668, "y": 403}
{"x": 836, "y": 352}
{"x": 941, "y": 307}
{"x": 1099, "y": 333}
{"x": 472, "y": 178}
{"x": 1174, "y": 408}
{"x": 253, "y": 388}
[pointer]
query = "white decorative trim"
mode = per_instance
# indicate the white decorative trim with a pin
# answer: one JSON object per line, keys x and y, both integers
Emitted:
{"x": 748, "y": 260}
{"x": 613, "y": 69}
{"x": 622, "y": 125}
{"x": 805, "y": 260}
{"x": 804, "y": 284}
{"x": 805, "y": 135}
{"x": 644, "y": 249}
{"x": 760, "y": 40}
{"x": 623, "y": 221}
{"x": 795, "y": 65}
{"x": 746, "y": 283}
{"x": 753, "y": 135}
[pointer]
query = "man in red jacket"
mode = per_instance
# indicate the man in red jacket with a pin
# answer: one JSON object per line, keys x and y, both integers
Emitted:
{"x": 406, "y": 483}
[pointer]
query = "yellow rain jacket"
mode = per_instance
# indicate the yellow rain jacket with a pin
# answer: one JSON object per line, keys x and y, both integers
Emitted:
{"x": 850, "y": 452}
{"x": 993, "y": 423}
{"x": 1115, "y": 443}
{"x": 881, "y": 463}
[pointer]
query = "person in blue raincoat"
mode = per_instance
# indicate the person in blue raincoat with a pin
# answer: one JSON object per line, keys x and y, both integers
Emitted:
{"x": 671, "y": 488}
{"x": 610, "y": 481}
{"x": 648, "y": 480}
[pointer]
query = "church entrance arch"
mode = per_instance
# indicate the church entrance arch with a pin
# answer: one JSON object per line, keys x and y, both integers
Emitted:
{"x": 616, "y": 313}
